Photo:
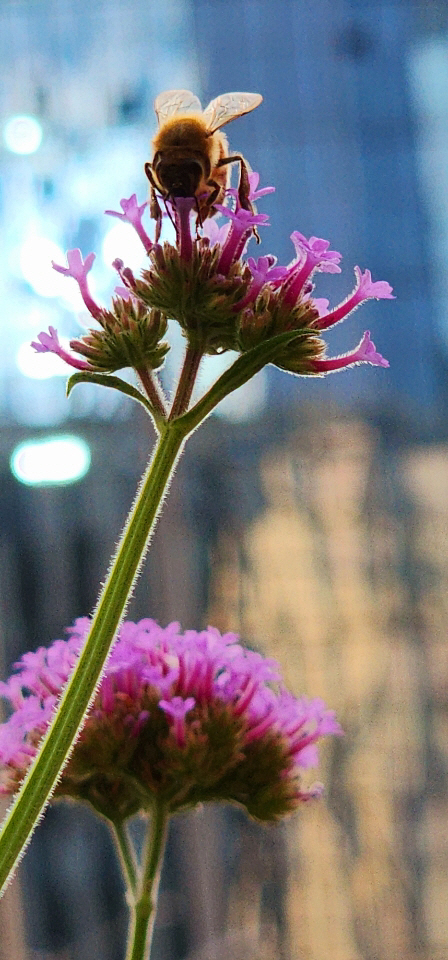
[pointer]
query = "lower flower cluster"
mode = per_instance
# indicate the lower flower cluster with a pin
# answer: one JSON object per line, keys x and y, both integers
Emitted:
{"x": 181, "y": 717}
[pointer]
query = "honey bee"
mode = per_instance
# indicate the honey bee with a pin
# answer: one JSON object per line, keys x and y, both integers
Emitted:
{"x": 190, "y": 154}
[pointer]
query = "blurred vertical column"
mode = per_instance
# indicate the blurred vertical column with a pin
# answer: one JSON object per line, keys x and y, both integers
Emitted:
{"x": 12, "y": 940}
{"x": 427, "y": 66}
{"x": 333, "y": 580}
{"x": 336, "y": 136}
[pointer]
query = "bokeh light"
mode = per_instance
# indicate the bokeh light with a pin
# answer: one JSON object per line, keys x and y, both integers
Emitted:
{"x": 22, "y": 134}
{"x": 51, "y": 461}
{"x": 36, "y": 254}
{"x": 41, "y": 366}
{"x": 122, "y": 241}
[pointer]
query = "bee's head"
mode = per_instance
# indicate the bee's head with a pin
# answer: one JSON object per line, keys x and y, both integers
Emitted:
{"x": 181, "y": 177}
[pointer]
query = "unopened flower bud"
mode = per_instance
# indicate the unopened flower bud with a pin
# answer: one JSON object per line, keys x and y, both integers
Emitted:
{"x": 131, "y": 336}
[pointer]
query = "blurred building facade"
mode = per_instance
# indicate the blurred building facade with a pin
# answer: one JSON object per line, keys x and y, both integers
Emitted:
{"x": 343, "y": 578}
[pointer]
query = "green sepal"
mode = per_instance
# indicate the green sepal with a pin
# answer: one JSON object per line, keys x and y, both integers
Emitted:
{"x": 193, "y": 293}
{"x": 130, "y": 337}
{"x": 107, "y": 380}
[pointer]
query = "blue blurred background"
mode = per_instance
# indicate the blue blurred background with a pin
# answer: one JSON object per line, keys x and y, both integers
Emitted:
{"x": 353, "y": 133}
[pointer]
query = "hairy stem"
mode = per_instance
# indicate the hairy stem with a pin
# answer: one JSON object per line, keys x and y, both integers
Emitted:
{"x": 68, "y": 719}
{"x": 127, "y": 856}
{"x": 193, "y": 357}
{"x": 56, "y": 746}
{"x": 144, "y": 908}
{"x": 153, "y": 392}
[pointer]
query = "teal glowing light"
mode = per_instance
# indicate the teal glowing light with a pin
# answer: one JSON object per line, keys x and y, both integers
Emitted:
{"x": 51, "y": 461}
{"x": 22, "y": 134}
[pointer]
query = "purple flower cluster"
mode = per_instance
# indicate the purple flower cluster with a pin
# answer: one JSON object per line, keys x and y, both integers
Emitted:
{"x": 184, "y": 717}
{"x": 247, "y": 300}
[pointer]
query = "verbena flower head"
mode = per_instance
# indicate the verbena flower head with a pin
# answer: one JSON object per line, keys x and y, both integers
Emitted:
{"x": 182, "y": 717}
{"x": 221, "y": 299}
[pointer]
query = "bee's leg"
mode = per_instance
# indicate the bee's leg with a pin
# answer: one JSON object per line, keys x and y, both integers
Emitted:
{"x": 154, "y": 206}
{"x": 150, "y": 175}
{"x": 156, "y": 213}
{"x": 214, "y": 193}
{"x": 243, "y": 186}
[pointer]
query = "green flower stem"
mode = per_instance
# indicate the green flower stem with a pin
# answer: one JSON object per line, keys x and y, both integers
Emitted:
{"x": 153, "y": 392}
{"x": 242, "y": 370}
{"x": 67, "y": 721}
{"x": 127, "y": 858}
{"x": 55, "y": 749}
{"x": 144, "y": 908}
{"x": 193, "y": 357}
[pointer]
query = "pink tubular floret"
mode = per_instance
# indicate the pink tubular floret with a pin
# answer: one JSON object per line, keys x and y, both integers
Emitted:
{"x": 365, "y": 352}
{"x": 242, "y": 223}
{"x": 78, "y": 269}
{"x": 133, "y": 213}
{"x": 365, "y": 289}
{"x": 49, "y": 343}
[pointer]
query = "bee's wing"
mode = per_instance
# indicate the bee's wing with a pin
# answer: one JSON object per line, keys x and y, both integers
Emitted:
{"x": 176, "y": 101}
{"x": 229, "y": 106}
